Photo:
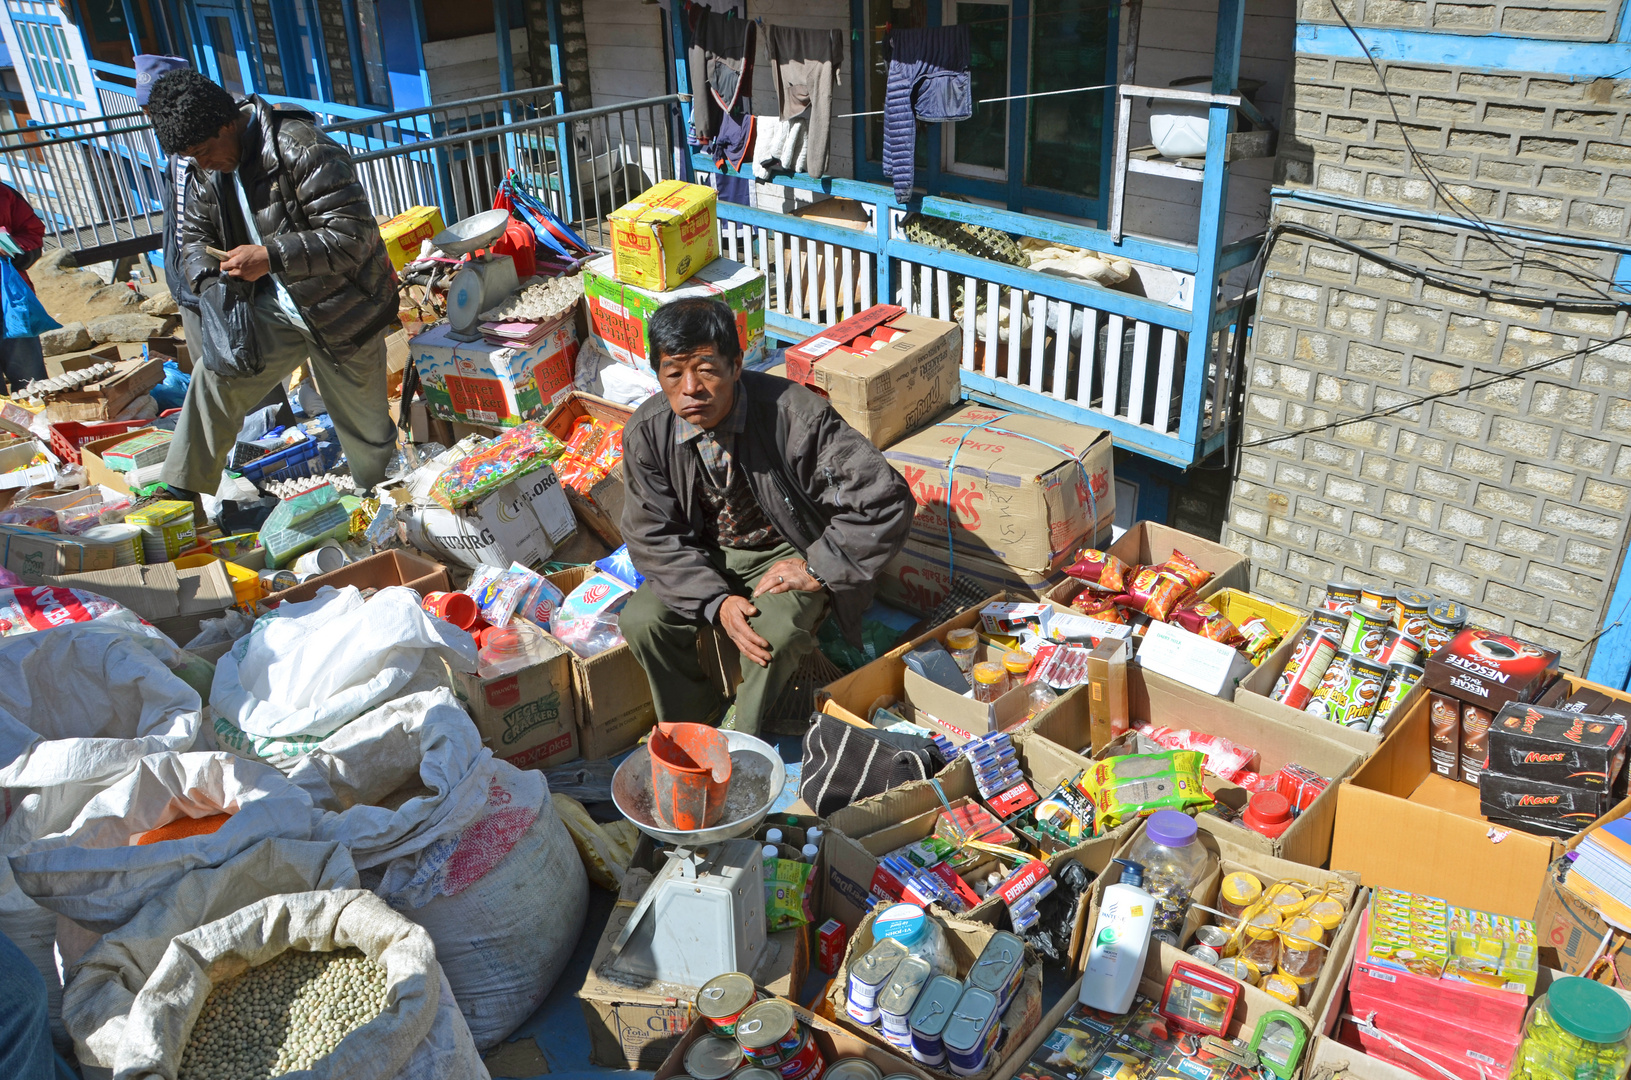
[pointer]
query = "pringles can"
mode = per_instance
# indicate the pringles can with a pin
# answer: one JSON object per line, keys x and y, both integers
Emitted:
{"x": 1411, "y": 617}
{"x": 1401, "y": 679}
{"x": 1341, "y": 597}
{"x": 1445, "y": 620}
{"x": 1306, "y": 669}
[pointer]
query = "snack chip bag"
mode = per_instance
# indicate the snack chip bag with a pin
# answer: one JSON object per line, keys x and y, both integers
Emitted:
{"x": 1258, "y": 639}
{"x": 787, "y": 894}
{"x": 1098, "y": 606}
{"x": 1099, "y": 568}
{"x": 1155, "y": 592}
{"x": 1224, "y": 759}
{"x": 1199, "y": 617}
{"x": 1123, "y": 788}
{"x": 1183, "y": 566}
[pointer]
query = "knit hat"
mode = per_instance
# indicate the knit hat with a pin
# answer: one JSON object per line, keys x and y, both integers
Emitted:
{"x": 149, "y": 67}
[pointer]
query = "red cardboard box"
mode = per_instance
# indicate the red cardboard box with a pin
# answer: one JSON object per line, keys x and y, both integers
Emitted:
{"x": 1497, "y": 1014}
{"x": 1490, "y": 669}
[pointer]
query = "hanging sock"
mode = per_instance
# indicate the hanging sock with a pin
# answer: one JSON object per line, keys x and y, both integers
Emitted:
{"x": 928, "y": 80}
{"x": 721, "y": 60}
{"x": 804, "y": 66}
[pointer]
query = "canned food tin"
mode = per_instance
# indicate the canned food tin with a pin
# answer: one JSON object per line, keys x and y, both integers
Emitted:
{"x": 1215, "y": 938}
{"x": 852, "y": 1068}
{"x": 896, "y": 1001}
{"x": 769, "y": 1033}
{"x": 1341, "y": 597}
{"x": 725, "y": 998}
{"x": 804, "y": 1063}
{"x": 755, "y": 1072}
{"x": 1445, "y": 620}
{"x": 1329, "y": 622}
{"x": 1364, "y": 690}
{"x": 1398, "y": 647}
{"x": 1306, "y": 670}
{"x": 275, "y": 581}
{"x": 869, "y": 975}
{"x": 1000, "y": 967}
{"x": 1240, "y": 969}
{"x": 1204, "y": 953}
{"x": 1326, "y": 694}
{"x": 930, "y": 1016}
{"x": 712, "y": 1057}
{"x": 1364, "y": 634}
{"x": 1384, "y": 600}
{"x": 1411, "y": 617}
{"x": 972, "y": 1032}
{"x": 1401, "y": 679}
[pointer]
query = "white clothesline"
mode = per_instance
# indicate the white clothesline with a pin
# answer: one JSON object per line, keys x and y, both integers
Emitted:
{"x": 995, "y": 100}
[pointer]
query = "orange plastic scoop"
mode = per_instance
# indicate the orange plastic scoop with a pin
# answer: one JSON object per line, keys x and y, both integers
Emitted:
{"x": 690, "y": 774}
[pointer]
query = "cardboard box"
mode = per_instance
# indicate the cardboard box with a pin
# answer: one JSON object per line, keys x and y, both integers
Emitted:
{"x": 1403, "y": 827}
{"x": 15, "y": 470}
{"x": 888, "y": 392}
{"x": 33, "y": 553}
{"x": 108, "y": 396}
{"x": 967, "y": 939}
{"x": 58, "y": 365}
{"x": 404, "y": 233}
{"x": 1014, "y": 498}
{"x": 1253, "y": 694}
{"x": 920, "y": 577}
{"x": 1150, "y": 543}
{"x": 378, "y": 571}
{"x": 96, "y": 470}
{"x": 175, "y": 601}
{"x": 1489, "y": 669}
{"x": 1327, "y": 1056}
{"x": 615, "y": 709}
{"x": 1158, "y": 700}
{"x": 637, "y": 1026}
{"x": 833, "y": 1040}
{"x": 529, "y": 717}
{"x": 170, "y": 348}
{"x": 619, "y": 312}
{"x": 522, "y": 521}
{"x": 601, "y": 508}
{"x": 665, "y": 234}
{"x": 1569, "y": 927}
{"x": 474, "y": 382}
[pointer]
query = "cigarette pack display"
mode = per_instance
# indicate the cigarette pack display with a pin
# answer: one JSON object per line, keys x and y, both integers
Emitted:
{"x": 1548, "y": 804}
{"x": 1555, "y": 746}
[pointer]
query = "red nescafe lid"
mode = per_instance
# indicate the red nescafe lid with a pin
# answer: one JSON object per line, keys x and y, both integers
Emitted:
{"x": 1269, "y": 813}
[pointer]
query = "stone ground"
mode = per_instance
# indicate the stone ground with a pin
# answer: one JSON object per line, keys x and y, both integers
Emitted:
{"x": 93, "y": 312}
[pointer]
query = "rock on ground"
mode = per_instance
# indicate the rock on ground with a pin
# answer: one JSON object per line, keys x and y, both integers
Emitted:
{"x": 161, "y": 304}
{"x": 74, "y": 337}
{"x": 133, "y": 327}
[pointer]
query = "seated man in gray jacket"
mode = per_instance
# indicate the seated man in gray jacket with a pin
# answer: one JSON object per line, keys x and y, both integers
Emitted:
{"x": 751, "y": 506}
{"x": 282, "y": 201}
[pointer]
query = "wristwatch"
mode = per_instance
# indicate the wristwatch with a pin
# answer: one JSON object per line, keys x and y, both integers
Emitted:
{"x": 813, "y": 574}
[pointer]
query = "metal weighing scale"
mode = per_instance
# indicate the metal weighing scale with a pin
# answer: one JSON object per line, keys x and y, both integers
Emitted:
{"x": 481, "y": 282}
{"x": 704, "y": 912}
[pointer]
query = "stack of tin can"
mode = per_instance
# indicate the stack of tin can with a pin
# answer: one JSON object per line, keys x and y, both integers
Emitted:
{"x": 1362, "y": 653}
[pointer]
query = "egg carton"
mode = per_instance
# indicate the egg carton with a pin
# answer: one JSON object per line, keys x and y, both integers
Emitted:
{"x": 284, "y": 489}
{"x": 539, "y": 302}
{"x": 40, "y": 389}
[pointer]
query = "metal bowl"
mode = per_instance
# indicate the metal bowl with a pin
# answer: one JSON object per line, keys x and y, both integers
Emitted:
{"x": 757, "y": 779}
{"x": 472, "y": 233}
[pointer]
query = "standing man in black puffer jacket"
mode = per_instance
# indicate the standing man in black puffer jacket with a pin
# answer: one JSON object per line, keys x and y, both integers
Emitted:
{"x": 282, "y": 200}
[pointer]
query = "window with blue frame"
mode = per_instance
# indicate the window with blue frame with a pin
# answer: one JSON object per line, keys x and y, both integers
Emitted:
{"x": 1045, "y": 153}
{"x": 376, "y": 79}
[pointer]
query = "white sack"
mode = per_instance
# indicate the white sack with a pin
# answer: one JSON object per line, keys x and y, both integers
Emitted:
{"x": 419, "y": 1036}
{"x": 93, "y": 874}
{"x": 102, "y": 985}
{"x": 477, "y": 855}
{"x": 307, "y": 669}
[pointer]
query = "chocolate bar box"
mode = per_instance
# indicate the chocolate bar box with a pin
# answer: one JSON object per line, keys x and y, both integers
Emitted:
{"x": 1554, "y": 746}
{"x": 1566, "y": 698}
{"x": 1572, "y": 808}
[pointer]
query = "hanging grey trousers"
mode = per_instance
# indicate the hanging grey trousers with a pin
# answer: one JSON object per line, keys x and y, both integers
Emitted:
{"x": 804, "y": 65}
{"x": 213, "y": 414}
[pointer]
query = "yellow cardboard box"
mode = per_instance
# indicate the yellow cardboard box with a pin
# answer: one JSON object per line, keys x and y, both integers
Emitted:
{"x": 404, "y": 232}
{"x": 665, "y": 235}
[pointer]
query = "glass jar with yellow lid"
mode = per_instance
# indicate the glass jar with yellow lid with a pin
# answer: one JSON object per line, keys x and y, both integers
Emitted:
{"x": 1284, "y": 987}
{"x": 1260, "y": 940}
{"x": 1328, "y": 913}
{"x": 1286, "y": 899}
{"x": 990, "y": 681}
{"x": 1017, "y": 662}
{"x": 963, "y": 644}
{"x": 1302, "y": 949}
{"x": 1238, "y": 892}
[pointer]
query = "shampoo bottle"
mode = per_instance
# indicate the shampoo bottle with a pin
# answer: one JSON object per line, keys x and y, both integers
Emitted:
{"x": 1121, "y": 941}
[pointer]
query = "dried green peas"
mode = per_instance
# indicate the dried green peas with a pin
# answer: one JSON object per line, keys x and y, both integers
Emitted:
{"x": 283, "y": 1016}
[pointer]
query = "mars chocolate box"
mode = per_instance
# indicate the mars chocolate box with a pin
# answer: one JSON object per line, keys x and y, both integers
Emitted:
{"x": 1556, "y": 747}
{"x": 1501, "y": 796}
{"x": 1560, "y": 695}
{"x": 1489, "y": 669}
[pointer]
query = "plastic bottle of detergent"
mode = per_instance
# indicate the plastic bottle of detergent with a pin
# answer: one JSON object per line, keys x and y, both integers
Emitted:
{"x": 1121, "y": 940}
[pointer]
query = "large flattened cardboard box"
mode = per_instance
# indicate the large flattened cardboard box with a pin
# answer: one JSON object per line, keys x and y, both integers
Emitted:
{"x": 528, "y": 717}
{"x": 474, "y": 382}
{"x": 1024, "y": 492}
{"x": 378, "y": 571}
{"x": 920, "y": 577}
{"x": 1158, "y": 700}
{"x": 665, "y": 234}
{"x": 36, "y": 553}
{"x": 889, "y": 392}
{"x": 175, "y": 601}
{"x": 634, "y": 1025}
{"x": 1404, "y": 827}
{"x": 614, "y": 696}
{"x": 619, "y": 312}
{"x": 601, "y": 507}
{"x": 523, "y": 521}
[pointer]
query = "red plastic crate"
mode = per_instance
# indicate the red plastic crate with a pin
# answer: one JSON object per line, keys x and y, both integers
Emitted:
{"x": 68, "y": 436}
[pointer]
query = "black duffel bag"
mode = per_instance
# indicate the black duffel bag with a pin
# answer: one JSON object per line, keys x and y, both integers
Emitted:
{"x": 844, "y": 763}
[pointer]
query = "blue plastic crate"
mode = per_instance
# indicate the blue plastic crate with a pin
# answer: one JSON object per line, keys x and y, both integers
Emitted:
{"x": 309, "y": 458}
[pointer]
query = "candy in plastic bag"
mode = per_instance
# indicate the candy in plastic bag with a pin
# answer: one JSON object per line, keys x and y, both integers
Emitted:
{"x": 588, "y": 636}
{"x": 499, "y": 592}
{"x": 540, "y": 603}
{"x": 1123, "y": 788}
{"x": 32, "y": 517}
{"x": 600, "y": 595}
{"x": 621, "y": 566}
{"x": 1224, "y": 759}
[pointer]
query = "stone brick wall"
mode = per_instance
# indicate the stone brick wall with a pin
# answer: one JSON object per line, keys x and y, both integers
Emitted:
{"x": 266, "y": 40}
{"x": 336, "y": 43}
{"x": 1565, "y": 20}
{"x": 1514, "y": 498}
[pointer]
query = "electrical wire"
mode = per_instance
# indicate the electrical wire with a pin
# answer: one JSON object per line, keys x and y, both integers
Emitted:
{"x": 1374, "y": 414}
{"x": 995, "y": 100}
